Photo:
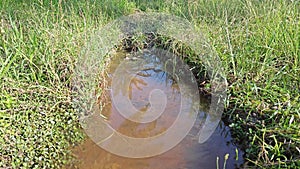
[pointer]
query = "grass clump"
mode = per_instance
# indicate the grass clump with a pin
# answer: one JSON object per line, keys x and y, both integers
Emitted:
{"x": 39, "y": 45}
{"x": 257, "y": 41}
{"x": 38, "y": 123}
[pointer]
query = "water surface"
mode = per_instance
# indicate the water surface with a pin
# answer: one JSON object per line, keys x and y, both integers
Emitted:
{"x": 188, "y": 154}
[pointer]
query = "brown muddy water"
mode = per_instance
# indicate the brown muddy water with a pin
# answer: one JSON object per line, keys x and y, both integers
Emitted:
{"x": 188, "y": 154}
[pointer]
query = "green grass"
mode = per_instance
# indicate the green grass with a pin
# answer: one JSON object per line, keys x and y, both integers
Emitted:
{"x": 257, "y": 41}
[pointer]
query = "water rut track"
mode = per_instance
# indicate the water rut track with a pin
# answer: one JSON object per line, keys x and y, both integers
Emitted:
{"x": 189, "y": 153}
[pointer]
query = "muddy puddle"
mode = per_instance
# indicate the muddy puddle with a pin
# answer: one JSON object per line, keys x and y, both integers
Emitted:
{"x": 188, "y": 154}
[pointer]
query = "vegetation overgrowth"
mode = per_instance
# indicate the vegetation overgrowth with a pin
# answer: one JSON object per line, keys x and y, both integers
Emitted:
{"x": 258, "y": 43}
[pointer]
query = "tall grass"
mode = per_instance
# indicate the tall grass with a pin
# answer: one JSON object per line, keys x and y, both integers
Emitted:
{"x": 257, "y": 41}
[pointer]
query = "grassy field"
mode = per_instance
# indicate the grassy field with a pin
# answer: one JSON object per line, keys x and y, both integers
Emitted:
{"x": 257, "y": 41}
